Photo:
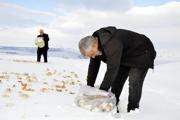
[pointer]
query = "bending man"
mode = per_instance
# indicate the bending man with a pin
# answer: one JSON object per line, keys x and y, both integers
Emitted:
{"x": 126, "y": 53}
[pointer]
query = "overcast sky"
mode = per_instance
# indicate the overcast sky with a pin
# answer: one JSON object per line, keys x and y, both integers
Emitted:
{"x": 66, "y": 21}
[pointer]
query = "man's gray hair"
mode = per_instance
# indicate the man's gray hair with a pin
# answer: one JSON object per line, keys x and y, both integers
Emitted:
{"x": 85, "y": 44}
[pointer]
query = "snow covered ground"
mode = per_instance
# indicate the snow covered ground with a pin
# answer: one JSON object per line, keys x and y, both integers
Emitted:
{"x": 35, "y": 91}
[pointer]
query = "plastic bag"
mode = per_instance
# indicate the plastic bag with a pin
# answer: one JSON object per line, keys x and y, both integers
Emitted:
{"x": 40, "y": 42}
{"x": 95, "y": 100}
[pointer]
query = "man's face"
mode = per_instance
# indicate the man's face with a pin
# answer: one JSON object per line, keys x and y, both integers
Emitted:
{"x": 41, "y": 32}
{"x": 94, "y": 51}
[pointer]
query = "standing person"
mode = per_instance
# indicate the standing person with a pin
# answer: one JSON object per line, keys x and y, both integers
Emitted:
{"x": 126, "y": 53}
{"x": 44, "y": 49}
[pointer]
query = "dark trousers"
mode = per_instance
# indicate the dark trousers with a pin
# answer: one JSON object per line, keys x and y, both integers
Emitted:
{"x": 136, "y": 79}
{"x": 40, "y": 52}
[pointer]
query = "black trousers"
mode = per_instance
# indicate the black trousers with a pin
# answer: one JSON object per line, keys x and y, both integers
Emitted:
{"x": 136, "y": 79}
{"x": 40, "y": 52}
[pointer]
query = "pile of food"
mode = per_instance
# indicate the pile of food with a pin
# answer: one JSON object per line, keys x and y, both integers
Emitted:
{"x": 25, "y": 84}
{"x": 95, "y": 100}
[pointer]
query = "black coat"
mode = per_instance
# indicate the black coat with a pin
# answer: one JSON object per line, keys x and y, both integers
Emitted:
{"x": 120, "y": 47}
{"x": 46, "y": 39}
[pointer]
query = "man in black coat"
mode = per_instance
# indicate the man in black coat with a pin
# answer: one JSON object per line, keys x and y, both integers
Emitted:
{"x": 43, "y": 51}
{"x": 126, "y": 53}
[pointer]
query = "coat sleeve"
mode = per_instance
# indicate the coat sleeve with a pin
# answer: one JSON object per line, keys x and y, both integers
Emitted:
{"x": 93, "y": 70}
{"x": 113, "y": 64}
{"x": 47, "y": 37}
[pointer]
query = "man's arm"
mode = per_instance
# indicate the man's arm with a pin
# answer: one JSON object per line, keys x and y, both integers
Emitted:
{"x": 113, "y": 64}
{"x": 93, "y": 70}
{"x": 47, "y": 37}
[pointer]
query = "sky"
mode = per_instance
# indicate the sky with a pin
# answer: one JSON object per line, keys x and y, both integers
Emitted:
{"x": 50, "y": 4}
{"x": 67, "y": 21}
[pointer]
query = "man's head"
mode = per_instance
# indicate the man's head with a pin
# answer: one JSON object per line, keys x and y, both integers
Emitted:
{"x": 41, "y": 31}
{"x": 88, "y": 46}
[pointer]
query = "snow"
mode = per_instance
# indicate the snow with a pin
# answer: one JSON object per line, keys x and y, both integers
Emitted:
{"x": 160, "y": 100}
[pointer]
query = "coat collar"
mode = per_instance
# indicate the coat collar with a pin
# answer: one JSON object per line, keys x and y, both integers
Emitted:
{"x": 105, "y": 34}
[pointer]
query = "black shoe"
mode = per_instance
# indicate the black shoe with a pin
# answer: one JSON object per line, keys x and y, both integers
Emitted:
{"x": 132, "y": 108}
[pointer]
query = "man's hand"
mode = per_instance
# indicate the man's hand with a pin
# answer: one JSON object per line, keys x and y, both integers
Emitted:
{"x": 110, "y": 94}
{"x": 103, "y": 89}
